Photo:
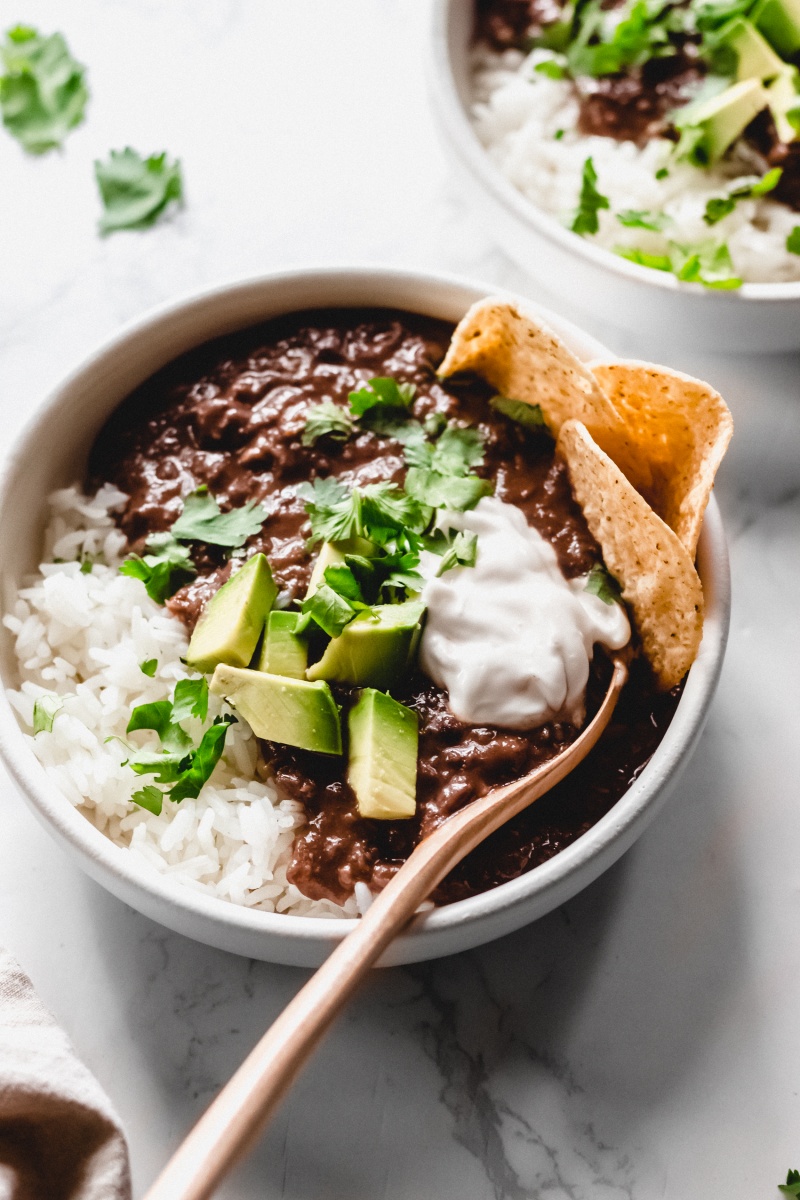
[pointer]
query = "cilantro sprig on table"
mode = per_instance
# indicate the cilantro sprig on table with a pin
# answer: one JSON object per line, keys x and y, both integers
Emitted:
{"x": 178, "y": 763}
{"x": 136, "y": 191}
{"x": 166, "y": 564}
{"x": 43, "y": 92}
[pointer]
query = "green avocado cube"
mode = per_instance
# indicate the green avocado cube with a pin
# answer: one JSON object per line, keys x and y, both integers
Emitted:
{"x": 283, "y": 652}
{"x": 718, "y": 121}
{"x": 382, "y": 764}
{"x": 779, "y": 21}
{"x": 233, "y": 619}
{"x": 784, "y": 103}
{"x": 377, "y": 649}
{"x": 290, "y": 711}
{"x": 755, "y": 57}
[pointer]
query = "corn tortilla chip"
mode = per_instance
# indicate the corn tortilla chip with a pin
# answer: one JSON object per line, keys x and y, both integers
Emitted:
{"x": 653, "y": 567}
{"x": 524, "y": 360}
{"x": 682, "y": 428}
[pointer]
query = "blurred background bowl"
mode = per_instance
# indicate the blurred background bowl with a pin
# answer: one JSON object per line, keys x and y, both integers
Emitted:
{"x": 755, "y": 317}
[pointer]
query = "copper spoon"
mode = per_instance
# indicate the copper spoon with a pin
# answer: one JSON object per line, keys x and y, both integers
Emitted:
{"x": 231, "y": 1124}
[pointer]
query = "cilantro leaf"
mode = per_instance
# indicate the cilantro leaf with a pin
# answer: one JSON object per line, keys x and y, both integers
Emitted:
{"x": 190, "y": 699}
{"x": 148, "y": 667}
{"x": 662, "y": 173}
{"x": 463, "y": 552}
{"x": 158, "y": 716}
{"x": 590, "y": 202}
{"x": 383, "y": 392}
{"x": 391, "y": 422}
{"x": 720, "y": 206}
{"x": 434, "y": 423}
{"x": 551, "y": 68}
{"x": 164, "y": 568}
{"x": 202, "y": 521}
{"x": 327, "y": 420}
{"x": 633, "y": 218}
{"x": 600, "y": 583}
{"x": 344, "y": 582}
{"x": 375, "y": 512}
{"x": 793, "y": 241}
{"x": 86, "y": 566}
{"x": 446, "y": 491}
{"x": 529, "y": 415}
{"x": 792, "y": 1185}
{"x": 45, "y": 710}
{"x": 327, "y": 609}
{"x": 43, "y": 91}
{"x": 658, "y": 262}
{"x": 605, "y": 45}
{"x": 709, "y": 263}
{"x": 202, "y": 760}
{"x": 149, "y": 797}
{"x": 135, "y": 191}
{"x": 457, "y": 449}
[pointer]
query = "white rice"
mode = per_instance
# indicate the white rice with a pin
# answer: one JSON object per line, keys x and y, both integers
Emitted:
{"x": 84, "y": 636}
{"x": 517, "y": 114}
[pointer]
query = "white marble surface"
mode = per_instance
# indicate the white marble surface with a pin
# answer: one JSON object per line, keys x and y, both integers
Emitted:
{"x": 642, "y": 1042}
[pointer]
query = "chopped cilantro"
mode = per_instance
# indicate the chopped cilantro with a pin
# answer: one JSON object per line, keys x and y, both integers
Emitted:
{"x": 551, "y": 68}
{"x": 633, "y": 218}
{"x": 86, "y": 566}
{"x": 600, "y": 583}
{"x": 434, "y": 423}
{"x": 178, "y": 763}
{"x": 327, "y": 420}
{"x": 793, "y": 241}
{"x": 658, "y": 262}
{"x": 202, "y": 521}
{"x": 720, "y": 206}
{"x": 45, "y": 710}
{"x": 43, "y": 90}
{"x": 792, "y": 1185}
{"x": 446, "y": 491}
{"x": 330, "y": 611}
{"x": 377, "y": 511}
{"x": 529, "y": 415}
{"x": 149, "y": 797}
{"x": 558, "y": 135}
{"x": 148, "y": 667}
{"x": 164, "y": 567}
{"x": 590, "y": 202}
{"x": 709, "y": 263}
{"x": 463, "y": 552}
{"x": 606, "y": 43}
{"x": 662, "y": 173}
{"x": 344, "y": 582}
{"x": 135, "y": 191}
{"x": 382, "y": 393}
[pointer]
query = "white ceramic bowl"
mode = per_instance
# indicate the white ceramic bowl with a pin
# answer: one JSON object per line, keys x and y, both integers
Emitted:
{"x": 52, "y": 453}
{"x": 755, "y": 317}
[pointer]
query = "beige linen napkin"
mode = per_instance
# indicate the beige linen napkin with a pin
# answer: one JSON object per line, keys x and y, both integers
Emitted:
{"x": 60, "y": 1139}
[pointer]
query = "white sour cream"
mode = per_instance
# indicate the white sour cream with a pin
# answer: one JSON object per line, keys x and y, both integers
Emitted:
{"x": 511, "y": 639}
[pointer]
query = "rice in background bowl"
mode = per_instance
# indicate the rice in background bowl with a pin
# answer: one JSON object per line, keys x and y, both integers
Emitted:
{"x": 51, "y": 453}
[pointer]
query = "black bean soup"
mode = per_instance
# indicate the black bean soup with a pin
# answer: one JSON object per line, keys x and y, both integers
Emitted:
{"x": 230, "y": 415}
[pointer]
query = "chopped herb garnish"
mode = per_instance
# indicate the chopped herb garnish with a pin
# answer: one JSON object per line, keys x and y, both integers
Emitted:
{"x": 463, "y": 552}
{"x": 600, "y": 583}
{"x": 151, "y": 798}
{"x": 662, "y": 173}
{"x": 86, "y": 566}
{"x": 376, "y": 512}
{"x": 343, "y": 581}
{"x": 148, "y": 667}
{"x": 382, "y": 393}
{"x": 558, "y": 135}
{"x": 164, "y": 568}
{"x": 43, "y": 90}
{"x": 327, "y": 420}
{"x": 551, "y": 68}
{"x": 135, "y": 191}
{"x": 606, "y": 42}
{"x": 434, "y": 423}
{"x": 45, "y": 710}
{"x": 590, "y": 202}
{"x": 720, "y": 206}
{"x": 178, "y": 763}
{"x": 633, "y": 218}
{"x": 529, "y": 415}
{"x": 792, "y": 1185}
{"x": 446, "y": 491}
{"x": 658, "y": 262}
{"x": 709, "y": 263}
{"x": 328, "y": 609}
{"x": 202, "y": 521}
{"x": 793, "y": 241}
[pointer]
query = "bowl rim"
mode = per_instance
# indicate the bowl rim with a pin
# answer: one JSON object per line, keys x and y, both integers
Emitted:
{"x": 620, "y": 825}
{"x": 474, "y": 158}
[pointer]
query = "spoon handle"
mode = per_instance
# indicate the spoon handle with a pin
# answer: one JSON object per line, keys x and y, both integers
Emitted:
{"x": 231, "y": 1124}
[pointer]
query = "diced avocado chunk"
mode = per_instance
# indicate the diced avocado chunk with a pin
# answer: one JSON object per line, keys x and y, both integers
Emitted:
{"x": 377, "y": 649}
{"x": 382, "y": 766}
{"x": 779, "y": 21}
{"x": 331, "y": 554}
{"x": 784, "y": 103}
{"x": 283, "y": 652}
{"x": 718, "y": 121}
{"x": 755, "y": 57}
{"x": 290, "y": 711}
{"x": 234, "y": 617}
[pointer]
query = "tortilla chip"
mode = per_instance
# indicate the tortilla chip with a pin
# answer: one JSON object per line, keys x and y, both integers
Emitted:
{"x": 682, "y": 428}
{"x": 524, "y": 360}
{"x": 651, "y": 564}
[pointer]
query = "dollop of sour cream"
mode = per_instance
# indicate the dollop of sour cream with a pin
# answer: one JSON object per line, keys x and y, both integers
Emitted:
{"x": 511, "y": 639}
